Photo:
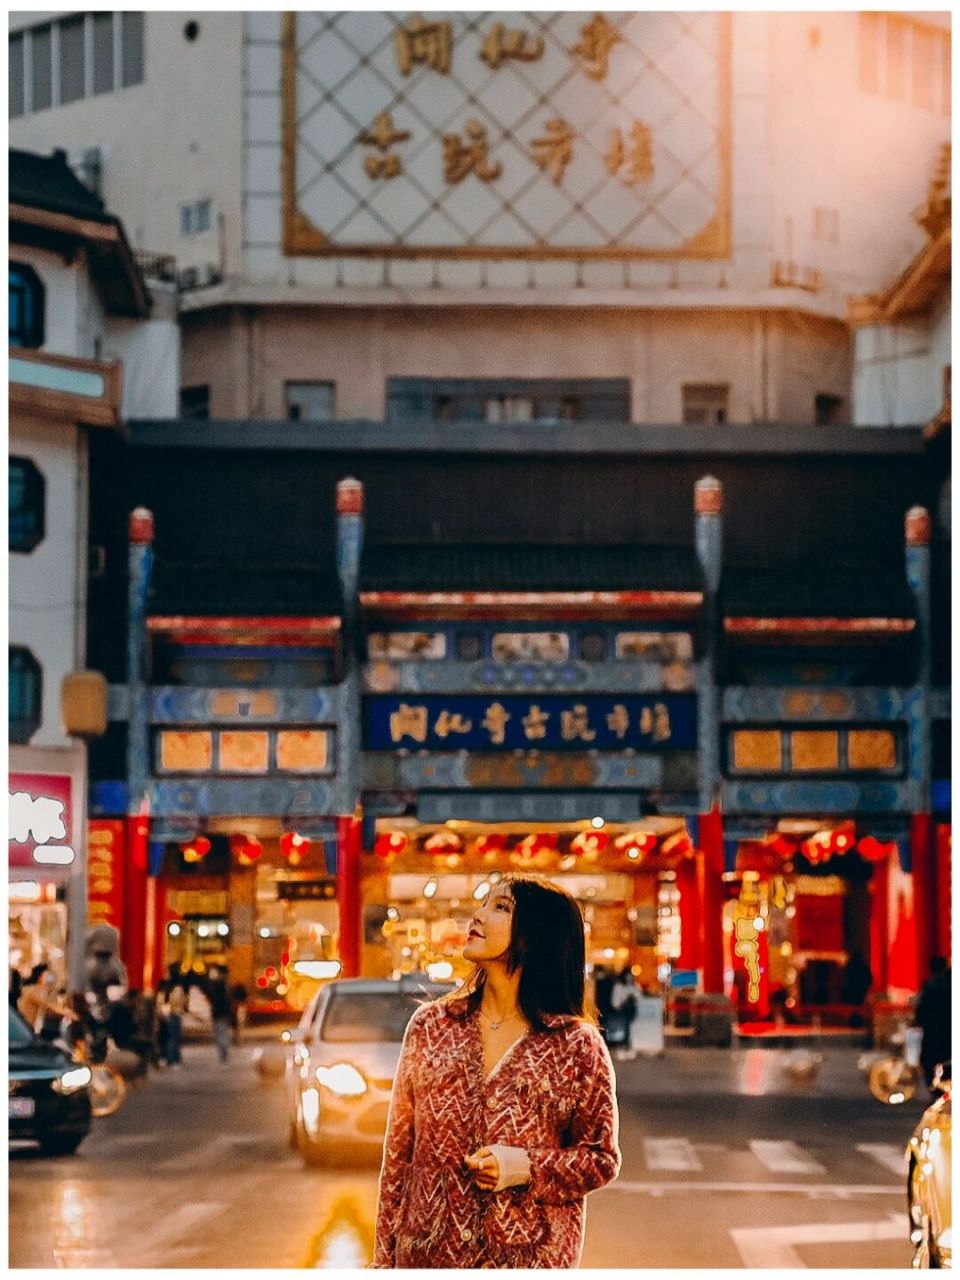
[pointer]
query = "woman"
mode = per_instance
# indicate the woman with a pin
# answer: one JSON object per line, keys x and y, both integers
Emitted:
{"x": 504, "y": 1112}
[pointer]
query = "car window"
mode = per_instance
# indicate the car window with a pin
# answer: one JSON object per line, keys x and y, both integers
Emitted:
{"x": 21, "y": 1037}
{"x": 368, "y": 1017}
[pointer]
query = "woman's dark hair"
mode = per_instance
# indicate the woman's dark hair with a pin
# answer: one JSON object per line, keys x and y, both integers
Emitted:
{"x": 36, "y": 973}
{"x": 546, "y": 945}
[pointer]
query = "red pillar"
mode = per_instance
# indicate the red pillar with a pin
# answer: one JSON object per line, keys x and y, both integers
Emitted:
{"x": 349, "y": 838}
{"x": 133, "y": 938}
{"x": 690, "y": 915}
{"x": 711, "y": 898}
{"x": 924, "y": 902}
{"x": 944, "y": 842}
{"x": 880, "y": 925}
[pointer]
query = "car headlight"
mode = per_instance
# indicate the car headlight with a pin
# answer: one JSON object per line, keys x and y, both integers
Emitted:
{"x": 72, "y": 1080}
{"x": 342, "y": 1079}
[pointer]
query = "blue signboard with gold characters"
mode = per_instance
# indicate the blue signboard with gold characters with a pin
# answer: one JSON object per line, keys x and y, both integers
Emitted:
{"x": 547, "y": 722}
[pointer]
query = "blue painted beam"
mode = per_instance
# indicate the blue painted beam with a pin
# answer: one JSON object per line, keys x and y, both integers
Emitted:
{"x": 283, "y": 798}
{"x": 609, "y": 676}
{"x": 785, "y": 798}
{"x": 183, "y": 705}
{"x": 792, "y": 705}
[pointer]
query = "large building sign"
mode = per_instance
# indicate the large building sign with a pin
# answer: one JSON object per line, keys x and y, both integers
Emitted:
{"x": 537, "y": 722}
{"x": 40, "y": 820}
{"x": 602, "y": 135}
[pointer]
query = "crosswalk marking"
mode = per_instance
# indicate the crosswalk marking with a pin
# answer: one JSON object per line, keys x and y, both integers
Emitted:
{"x": 771, "y": 1248}
{"x": 670, "y": 1153}
{"x": 784, "y": 1157}
{"x": 888, "y": 1154}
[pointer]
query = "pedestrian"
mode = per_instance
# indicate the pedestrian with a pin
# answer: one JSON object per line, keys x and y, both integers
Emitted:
{"x": 172, "y": 999}
{"x": 602, "y": 986}
{"x": 38, "y": 1004}
{"x": 504, "y": 1112}
{"x": 238, "y": 1009}
{"x": 933, "y": 1014}
{"x": 221, "y": 1011}
{"x": 16, "y": 986}
{"x": 625, "y": 1000}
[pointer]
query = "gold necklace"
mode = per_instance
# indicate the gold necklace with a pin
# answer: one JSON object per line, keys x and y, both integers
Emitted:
{"x": 495, "y": 1026}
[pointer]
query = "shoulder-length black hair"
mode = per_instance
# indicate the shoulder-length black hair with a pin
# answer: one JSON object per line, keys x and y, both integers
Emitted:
{"x": 546, "y": 945}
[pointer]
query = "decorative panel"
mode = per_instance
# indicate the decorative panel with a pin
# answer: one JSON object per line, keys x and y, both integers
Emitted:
{"x": 544, "y": 135}
{"x": 406, "y": 644}
{"x": 304, "y": 750}
{"x": 244, "y": 752}
{"x": 757, "y": 749}
{"x": 185, "y": 752}
{"x": 871, "y": 749}
{"x": 530, "y": 646}
{"x": 814, "y": 749}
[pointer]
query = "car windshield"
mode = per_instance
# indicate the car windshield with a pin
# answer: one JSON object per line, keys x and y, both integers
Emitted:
{"x": 21, "y": 1037}
{"x": 368, "y": 1017}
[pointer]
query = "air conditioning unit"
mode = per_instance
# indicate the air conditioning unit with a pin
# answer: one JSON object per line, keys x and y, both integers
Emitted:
{"x": 88, "y": 166}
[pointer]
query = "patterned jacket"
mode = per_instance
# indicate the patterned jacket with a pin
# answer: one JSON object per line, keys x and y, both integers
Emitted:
{"x": 551, "y": 1093}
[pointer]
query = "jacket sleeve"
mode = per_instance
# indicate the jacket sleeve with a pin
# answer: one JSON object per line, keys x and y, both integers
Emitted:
{"x": 397, "y": 1150}
{"x": 563, "y": 1174}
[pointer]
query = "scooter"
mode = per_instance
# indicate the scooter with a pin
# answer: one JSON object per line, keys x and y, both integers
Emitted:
{"x": 893, "y": 1078}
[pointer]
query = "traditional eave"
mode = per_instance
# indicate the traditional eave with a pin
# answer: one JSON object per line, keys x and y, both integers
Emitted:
{"x": 567, "y": 606}
{"x": 65, "y": 387}
{"x": 817, "y": 630}
{"x": 927, "y": 274}
{"x": 111, "y": 260}
{"x": 281, "y": 632}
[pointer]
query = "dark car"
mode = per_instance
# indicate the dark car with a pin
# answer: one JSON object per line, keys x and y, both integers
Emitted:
{"x": 49, "y": 1092}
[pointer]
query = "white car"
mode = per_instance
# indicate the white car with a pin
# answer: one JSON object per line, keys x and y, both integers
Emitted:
{"x": 345, "y": 1052}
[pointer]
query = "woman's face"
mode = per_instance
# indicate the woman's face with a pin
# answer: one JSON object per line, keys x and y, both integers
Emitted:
{"x": 491, "y": 927}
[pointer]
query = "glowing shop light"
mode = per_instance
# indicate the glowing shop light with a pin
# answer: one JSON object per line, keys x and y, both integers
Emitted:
{"x": 440, "y": 971}
{"x": 317, "y": 969}
{"x": 58, "y": 855}
{"x": 597, "y": 822}
{"x": 431, "y": 887}
{"x": 482, "y": 889}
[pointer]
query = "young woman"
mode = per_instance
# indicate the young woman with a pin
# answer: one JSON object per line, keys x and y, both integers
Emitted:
{"x": 504, "y": 1112}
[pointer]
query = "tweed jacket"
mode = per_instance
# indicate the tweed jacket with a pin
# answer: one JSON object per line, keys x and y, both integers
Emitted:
{"x": 552, "y": 1094}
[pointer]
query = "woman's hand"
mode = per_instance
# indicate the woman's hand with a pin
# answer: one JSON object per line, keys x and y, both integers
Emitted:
{"x": 485, "y": 1168}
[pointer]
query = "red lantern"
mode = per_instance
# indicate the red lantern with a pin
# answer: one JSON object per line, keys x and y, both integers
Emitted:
{"x": 635, "y": 844}
{"x": 677, "y": 846}
{"x": 492, "y": 842}
{"x": 196, "y": 849}
{"x": 294, "y": 847}
{"x": 245, "y": 849}
{"x": 443, "y": 842}
{"x": 873, "y": 850}
{"x": 818, "y": 848}
{"x": 589, "y": 843}
{"x": 390, "y": 843}
{"x": 536, "y": 843}
{"x": 783, "y": 846}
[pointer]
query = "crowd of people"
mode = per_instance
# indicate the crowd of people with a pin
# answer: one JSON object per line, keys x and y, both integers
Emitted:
{"x": 147, "y": 1023}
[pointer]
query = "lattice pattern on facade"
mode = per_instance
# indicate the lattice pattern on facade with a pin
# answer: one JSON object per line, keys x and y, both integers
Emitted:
{"x": 541, "y": 134}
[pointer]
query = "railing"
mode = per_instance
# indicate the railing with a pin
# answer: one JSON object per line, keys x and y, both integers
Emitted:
{"x": 157, "y": 266}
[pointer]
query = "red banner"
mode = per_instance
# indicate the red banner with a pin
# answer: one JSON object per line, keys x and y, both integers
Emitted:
{"x": 106, "y": 844}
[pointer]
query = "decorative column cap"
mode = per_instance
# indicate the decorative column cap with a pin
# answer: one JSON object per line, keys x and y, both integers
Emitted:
{"x": 349, "y": 497}
{"x": 140, "y": 529}
{"x": 708, "y": 496}
{"x": 917, "y": 527}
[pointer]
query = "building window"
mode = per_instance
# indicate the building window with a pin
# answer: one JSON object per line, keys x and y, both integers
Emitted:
{"x": 905, "y": 60}
{"x": 115, "y": 41}
{"x": 27, "y": 503}
{"x": 705, "y": 403}
{"x": 195, "y": 217}
{"x": 41, "y": 67}
{"x": 828, "y": 410}
{"x": 131, "y": 44}
{"x": 195, "y": 402}
{"x": 102, "y": 53}
{"x": 25, "y": 690}
{"x": 72, "y": 59}
{"x": 503, "y": 400}
{"x": 593, "y": 646}
{"x": 26, "y": 306}
{"x": 310, "y": 401}
{"x": 15, "y": 75}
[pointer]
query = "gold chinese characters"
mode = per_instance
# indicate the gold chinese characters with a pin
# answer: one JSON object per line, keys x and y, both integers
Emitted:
{"x": 414, "y": 722}
{"x": 423, "y": 42}
{"x": 383, "y": 136}
{"x": 500, "y": 44}
{"x": 462, "y": 157}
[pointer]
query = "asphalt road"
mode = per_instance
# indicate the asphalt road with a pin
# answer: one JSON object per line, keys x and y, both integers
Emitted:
{"x": 726, "y": 1164}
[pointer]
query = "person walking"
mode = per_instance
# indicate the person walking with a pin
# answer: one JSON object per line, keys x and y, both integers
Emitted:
{"x": 238, "y": 1009}
{"x": 221, "y": 1011}
{"x": 504, "y": 1114}
{"x": 933, "y": 1014}
{"x": 172, "y": 1001}
{"x": 625, "y": 1000}
{"x": 39, "y": 1005}
{"x": 16, "y": 986}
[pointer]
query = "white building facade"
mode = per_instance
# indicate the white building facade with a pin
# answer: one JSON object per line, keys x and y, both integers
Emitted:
{"x": 376, "y": 209}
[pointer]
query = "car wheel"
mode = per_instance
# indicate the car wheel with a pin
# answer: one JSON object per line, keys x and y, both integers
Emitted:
{"x": 62, "y": 1144}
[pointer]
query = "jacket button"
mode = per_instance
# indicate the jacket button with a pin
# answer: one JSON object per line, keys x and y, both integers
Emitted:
{"x": 545, "y": 1085}
{"x": 492, "y": 1104}
{"x": 466, "y": 1234}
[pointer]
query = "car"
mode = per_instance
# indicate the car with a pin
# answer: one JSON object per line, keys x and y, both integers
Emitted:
{"x": 49, "y": 1092}
{"x": 928, "y": 1179}
{"x": 341, "y": 1070}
